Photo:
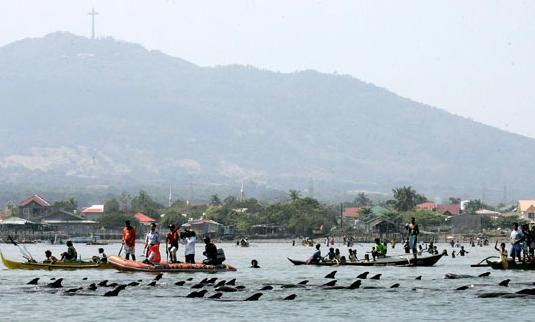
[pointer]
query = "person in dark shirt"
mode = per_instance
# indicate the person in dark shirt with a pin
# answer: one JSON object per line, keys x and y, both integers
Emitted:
{"x": 210, "y": 251}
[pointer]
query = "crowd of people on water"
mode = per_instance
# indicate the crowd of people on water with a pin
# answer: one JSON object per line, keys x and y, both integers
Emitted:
{"x": 174, "y": 238}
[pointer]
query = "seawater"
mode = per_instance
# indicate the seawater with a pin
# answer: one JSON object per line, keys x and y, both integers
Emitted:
{"x": 431, "y": 299}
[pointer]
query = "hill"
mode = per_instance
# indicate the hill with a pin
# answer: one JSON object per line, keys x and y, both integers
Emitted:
{"x": 90, "y": 112}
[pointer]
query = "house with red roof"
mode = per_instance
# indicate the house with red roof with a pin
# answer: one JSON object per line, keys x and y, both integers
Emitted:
{"x": 93, "y": 212}
{"x": 449, "y": 210}
{"x": 34, "y": 208}
{"x": 351, "y": 212}
{"x": 144, "y": 219}
{"x": 426, "y": 206}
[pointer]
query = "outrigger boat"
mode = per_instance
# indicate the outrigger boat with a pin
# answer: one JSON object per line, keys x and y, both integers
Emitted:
{"x": 389, "y": 261}
{"x": 33, "y": 265}
{"x": 125, "y": 265}
{"x": 511, "y": 264}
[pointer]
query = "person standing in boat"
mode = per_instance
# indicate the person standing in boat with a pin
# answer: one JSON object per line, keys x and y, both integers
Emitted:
{"x": 516, "y": 242}
{"x": 414, "y": 231}
{"x": 152, "y": 238}
{"x": 188, "y": 239}
{"x": 129, "y": 240}
{"x": 172, "y": 242}
{"x": 503, "y": 254}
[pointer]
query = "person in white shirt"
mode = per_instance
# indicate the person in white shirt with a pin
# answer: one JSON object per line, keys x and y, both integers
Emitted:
{"x": 188, "y": 239}
{"x": 152, "y": 238}
{"x": 516, "y": 242}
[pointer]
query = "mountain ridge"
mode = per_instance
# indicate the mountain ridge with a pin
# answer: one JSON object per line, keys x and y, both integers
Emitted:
{"x": 116, "y": 112}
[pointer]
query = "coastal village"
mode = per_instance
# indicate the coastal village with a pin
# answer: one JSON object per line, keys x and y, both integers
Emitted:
{"x": 37, "y": 219}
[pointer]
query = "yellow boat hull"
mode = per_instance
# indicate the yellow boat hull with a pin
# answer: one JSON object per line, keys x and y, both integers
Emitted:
{"x": 58, "y": 265}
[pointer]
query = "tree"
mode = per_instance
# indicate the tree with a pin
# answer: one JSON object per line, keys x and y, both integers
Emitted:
{"x": 214, "y": 200}
{"x": 173, "y": 218}
{"x": 68, "y": 205}
{"x": 112, "y": 206}
{"x": 124, "y": 199}
{"x": 362, "y": 200}
{"x": 454, "y": 201}
{"x": 294, "y": 195}
{"x": 145, "y": 204}
{"x": 405, "y": 198}
{"x": 472, "y": 206}
{"x": 116, "y": 220}
{"x": 230, "y": 201}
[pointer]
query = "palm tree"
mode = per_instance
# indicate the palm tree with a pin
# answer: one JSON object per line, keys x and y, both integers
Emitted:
{"x": 405, "y": 198}
{"x": 294, "y": 195}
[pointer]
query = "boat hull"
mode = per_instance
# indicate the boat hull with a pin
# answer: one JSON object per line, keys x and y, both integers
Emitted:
{"x": 56, "y": 266}
{"x": 125, "y": 265}
{"x": 405, "y": 261}
{"x": 512, "y": 265}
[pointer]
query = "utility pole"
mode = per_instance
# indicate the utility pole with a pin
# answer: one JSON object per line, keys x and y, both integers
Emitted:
{"x": 341, "y": 217}
{"x": 93, "y": 13}
{"x": 242, "y": 192}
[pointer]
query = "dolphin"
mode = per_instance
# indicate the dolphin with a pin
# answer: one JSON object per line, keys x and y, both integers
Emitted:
{"x": 92, "y": 287}
{"x": 290, "y": 297}
{"x": 396, "y": 285}
{"x": 418, "y": 278}
{"x": 153, "y": 283}
{"x": 158, "y": 277}
{"x": 133, "y": 284}
{"x": 527, "y": 291}
{"x": 331, "y": 274}
{"x": 33, "y": 282}
{"x": 231, "y": 282}
{"x": 451, "y": 276}
{"x": 331, "y": 283}
{"x": 220, "y": 283}
{"x": 304, "y": 282}
{"x": 267, "y": 288}
{"x": 103, "y": 283}
{"x": 504, "y": 283}
{"x": 112, "y": 285}
{"x": 226, "y": 289}
{"x": 197, "y": 294}
{"x": 189, "y": 279}
{"x": 56, "y": 283}
{"x": 198, "y": 285}
{"x": 254, "y": 297}
{"x": 115, "y": 291}
{"x": 354, "y": 285}
{"x": 211, "y": 281}
{"x": 203, "y": 281}
{"x": 491, "y": 295}
{"x": 73, "y": 290}
{"x": 376, "y": 277}
{"x": 363, "y": 275}
{"x": 462, "y": 288}
{"x": 180, "y": 283}
{"x": 240, "y": 287}
{"x": 216, "y": 296}
{"x": 486, "y": 274}
{"x": 84, "y": 279}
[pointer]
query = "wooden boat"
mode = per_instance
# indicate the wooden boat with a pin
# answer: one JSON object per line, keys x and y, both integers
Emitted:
{"x": 512, "y": 265}
{"x": 125, "y": 265}
{"x": 57, "y": 265}
{"x": 389, "y": 261}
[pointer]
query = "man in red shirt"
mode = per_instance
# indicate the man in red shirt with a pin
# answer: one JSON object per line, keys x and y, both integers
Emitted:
{"x": 129, "y": 240}
{"x": 172, "y": 242}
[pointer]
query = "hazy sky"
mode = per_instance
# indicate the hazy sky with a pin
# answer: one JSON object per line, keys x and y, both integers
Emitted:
{"x": 473, "y": 58}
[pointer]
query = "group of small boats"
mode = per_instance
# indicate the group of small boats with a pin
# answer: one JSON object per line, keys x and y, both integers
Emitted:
{"x": 119, "y": 263}
{"x": 386, "y": 261}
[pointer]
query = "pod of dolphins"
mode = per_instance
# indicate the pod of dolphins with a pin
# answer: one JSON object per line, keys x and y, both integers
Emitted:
{"x": 201, "y": 288}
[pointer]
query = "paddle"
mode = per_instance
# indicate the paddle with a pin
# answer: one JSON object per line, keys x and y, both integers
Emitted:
{"x": 25, "y": 253}
{"x": 120, "y": 250}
